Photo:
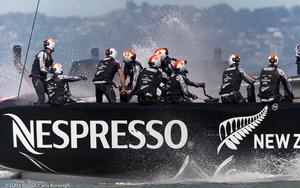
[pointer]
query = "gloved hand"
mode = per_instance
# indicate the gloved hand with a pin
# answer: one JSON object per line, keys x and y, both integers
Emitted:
{"x": 84, "y": 78}
{"x": 194, "y": 97}
{"x": 291, "y": 96}
{"x": 123, "y": 91}
{"x": 116, "y": 86}
{"x": 254, "y": 77}
{"x": 67, "y": 94}
{"x": 201, "y": 84}
{"x": 129, "y": 92}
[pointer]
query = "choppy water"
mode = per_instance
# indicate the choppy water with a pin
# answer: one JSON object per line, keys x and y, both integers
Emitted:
{"x": 17, "y": 183}
{"x": 233, "y": 179}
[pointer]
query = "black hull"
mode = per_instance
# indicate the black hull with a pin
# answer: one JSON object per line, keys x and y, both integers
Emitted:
{"x": 57, "y": 153}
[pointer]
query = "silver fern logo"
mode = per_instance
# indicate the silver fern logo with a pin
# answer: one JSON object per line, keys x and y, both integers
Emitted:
{"x": 237, "y": 128}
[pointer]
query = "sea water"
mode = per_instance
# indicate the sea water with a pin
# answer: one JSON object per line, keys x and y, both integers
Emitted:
{"x": 255, "y": 183}
{"x": 286, "y": 175}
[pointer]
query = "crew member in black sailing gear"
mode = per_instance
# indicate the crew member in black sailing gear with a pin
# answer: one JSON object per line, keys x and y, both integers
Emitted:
{"x": 132, "y": 70}
{"x": 149, "y": 81}
{"x": 177, "y": 86}
{"x": 270, "y": 78}
{"x": 297, "y": 53}
{"x": 166, "y": 61}
{"x": 231, "y": 81}
{"x": 57, "y": 85}
{"x": 40, "y": 67}
{"x": 103, "y": 80}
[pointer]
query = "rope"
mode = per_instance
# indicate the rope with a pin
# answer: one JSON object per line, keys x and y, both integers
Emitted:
{"x": 29, "y": 42}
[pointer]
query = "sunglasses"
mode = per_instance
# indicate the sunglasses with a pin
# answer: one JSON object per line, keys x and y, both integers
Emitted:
{"x": 236, "y": 59}
{"x": 272, "y": 60}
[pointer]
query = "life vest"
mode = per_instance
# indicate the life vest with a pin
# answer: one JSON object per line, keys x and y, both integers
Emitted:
{"x": 231, "y": 80}
{"x": 149, "y": 81}
{"x": 36, "y": 68}
{"x": 173, "y": 86}
{"x": 269, "y": 83}
{"x": 106, "y": 70}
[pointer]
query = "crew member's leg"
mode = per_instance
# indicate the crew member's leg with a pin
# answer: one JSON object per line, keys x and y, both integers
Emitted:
{"x": 39, "y": 87}
{"x": 57, "y": 100}
{"x": 110, "y": 94}
{"x": 124, "y": 98}
{"x": 99, "y": 93}
{"x": 239, "y": 97}
{"x": 145, "y": 99}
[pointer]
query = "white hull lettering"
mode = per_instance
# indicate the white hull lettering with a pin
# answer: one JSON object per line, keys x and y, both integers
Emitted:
{"x": 277, "y": 141}
{"x": 297, "y": 142}
{"x": 98, "y": 133}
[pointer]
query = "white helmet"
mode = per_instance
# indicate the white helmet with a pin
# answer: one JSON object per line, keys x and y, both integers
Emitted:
{"x": 49, "y": 43}
{"x": 129, "y": 56}
{"x": 234, "y": 59}
{"x": 179, "y": 66}
{"x": 154, "y": 61}
{"x": 162, "y": 53}
{"x": 57, "y": 68}
{"x": 273, "y": 59}
{"x": 111, "y": 52}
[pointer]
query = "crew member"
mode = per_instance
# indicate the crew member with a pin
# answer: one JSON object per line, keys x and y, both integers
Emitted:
{"x": 149, "y": 81}
{"x": 40, "y": 67}
{"x": 132, "y": 70}
{"x": 166, "y": 61}
{"x": 270, "y": 78}
{"x": 231, "y": 81}
{"x": 297, "y": 53}
{"x": 177, "y": 86}
{"x": 103, "y": 80}
{"x": 57, "y": 85}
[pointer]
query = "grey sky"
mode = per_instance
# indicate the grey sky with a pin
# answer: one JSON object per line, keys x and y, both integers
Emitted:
{"x": 99, "y": 7}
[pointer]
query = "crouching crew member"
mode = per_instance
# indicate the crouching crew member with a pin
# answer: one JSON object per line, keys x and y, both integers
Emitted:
{"x": 231, "y": 81}
{"x": 103, "y": 80}
{"x": 132, "y": 70}
{"x": 57, "y": 85}
{"x": 270, "y": 78}
{"x": 149, "y": 81}
{"x": 177, "y": 86}
{"x": 41, "y": 67}
{"x": 166, "y": 61}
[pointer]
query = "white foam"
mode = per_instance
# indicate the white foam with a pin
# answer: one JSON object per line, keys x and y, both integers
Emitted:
{"x": 8, "y": 174}
{"x": 240, "y": 176}
{"x": 10, "y": 80}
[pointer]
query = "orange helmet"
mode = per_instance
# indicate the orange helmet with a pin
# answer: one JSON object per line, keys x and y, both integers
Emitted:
{"x": 179, "y": 65}
{"x": 154, "y": 61}
{"x": 162, "y": 52}
{"x": 273, "y": 59}
{"x": 57, "y": 68}
{"x": 129, "y": 56}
